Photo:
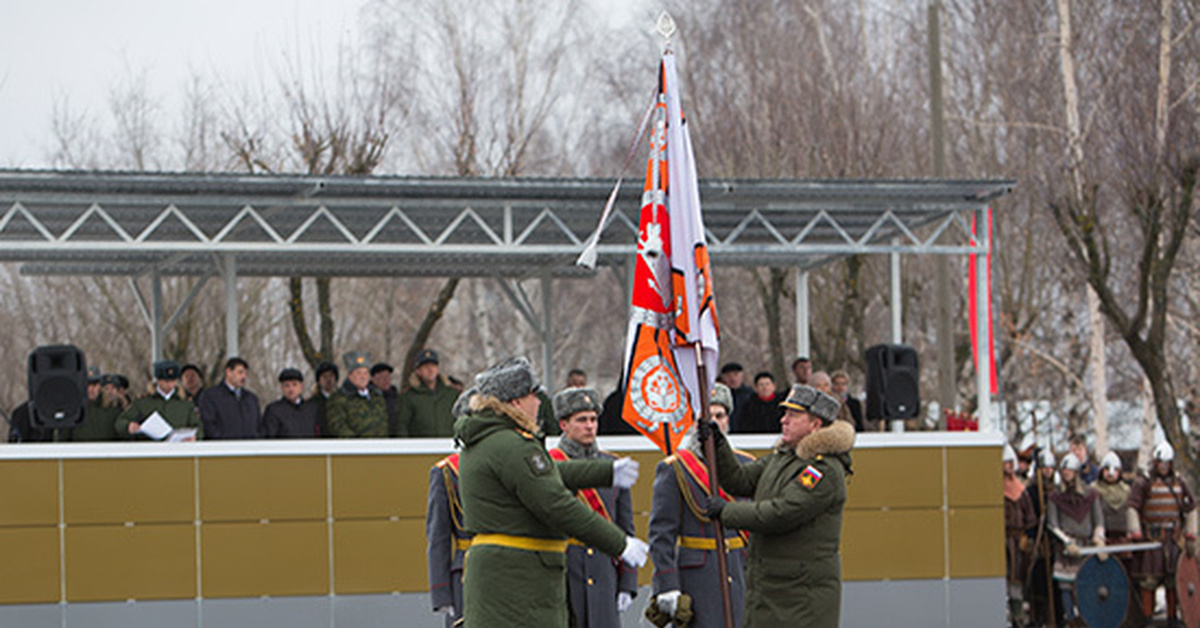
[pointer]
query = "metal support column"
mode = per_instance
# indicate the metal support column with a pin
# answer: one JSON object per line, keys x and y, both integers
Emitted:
{"x": 896, "y": 301}
{"x": 802, "y": 314}
{"x": 547, "y": 336}
{"x": 156, "y": 316}
{"x": 983, "y": 337}
{"x": 229, "y": 278}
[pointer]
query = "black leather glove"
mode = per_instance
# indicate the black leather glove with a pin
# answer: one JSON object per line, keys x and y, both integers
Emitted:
{"x": 704, "y": 429}
{"x": 715, "y": 505}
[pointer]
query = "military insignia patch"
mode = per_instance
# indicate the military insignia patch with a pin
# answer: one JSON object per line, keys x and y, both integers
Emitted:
{"x": 810, "y": 477}
{"x": 538, "y": 463}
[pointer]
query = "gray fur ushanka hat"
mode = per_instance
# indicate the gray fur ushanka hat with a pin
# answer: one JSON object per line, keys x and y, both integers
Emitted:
{"x": 572, "y": 400}
{"x": 508, "y": 379}
{"x": 810, "y": 400}
{"x": 722, "y": 396}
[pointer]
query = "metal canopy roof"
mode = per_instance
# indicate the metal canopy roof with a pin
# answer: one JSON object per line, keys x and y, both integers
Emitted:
{"x": 110, "y": 223}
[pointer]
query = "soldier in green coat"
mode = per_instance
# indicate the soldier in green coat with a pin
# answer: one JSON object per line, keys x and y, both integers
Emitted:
{"x": 166, "y": 401}
{"x": 794, "y": 571}
{"x": 357, "y": 409}
{"x": 515, "y": 503}
{"x": 98, "y": 424}
{"x": 424, "y": 408}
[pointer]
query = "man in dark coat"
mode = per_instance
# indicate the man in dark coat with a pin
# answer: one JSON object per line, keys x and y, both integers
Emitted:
{"x": 734, "y": 377}
{"x": 600, "y": 586}
{"x": 425, "y": 407}
{"x": 794, "y": 575}
{"x": 326, "y": 384}
{"x": 381, "y": 378}
{"x": 290, "y": 416}
{"x": 228, "y": 410}
{"x": 521, "y": 512}
{"x": 761, "y": 413}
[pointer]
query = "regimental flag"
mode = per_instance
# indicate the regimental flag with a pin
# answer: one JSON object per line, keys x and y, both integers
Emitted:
{"x": 672, "y": 311}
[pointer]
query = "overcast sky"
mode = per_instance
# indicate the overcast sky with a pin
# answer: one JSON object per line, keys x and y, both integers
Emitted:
{"x": 74, "y": 49}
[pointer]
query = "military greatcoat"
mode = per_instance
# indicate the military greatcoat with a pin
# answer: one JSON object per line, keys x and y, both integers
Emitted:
{"x": 794, "y": 575}
{"x": 683, "y": 541}
{"x": 522, "y": 514}
{"x": 352, "y": 415}
{"x": 176, "y": 411}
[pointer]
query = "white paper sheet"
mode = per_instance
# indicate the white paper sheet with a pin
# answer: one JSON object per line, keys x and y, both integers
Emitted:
{"x": 182, "y": 434}
{"x": 155, "y": 426}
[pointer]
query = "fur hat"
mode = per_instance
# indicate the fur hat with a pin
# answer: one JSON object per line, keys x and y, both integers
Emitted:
{"x": 721, "y": 396}
{"x": 463, "y": 405}
{"x": 357, "y": 360}
{"x": 810, "y": 400}
{"x": 1111, "y": 461}
{"x": 508, "y": 379}
{"x": 572, "y": 400}
{"x": 1164, "y": 451}
{"x": 1070, "y": 463}
{"x": 166, "y": 369}
{"x": 1009, "y": 455}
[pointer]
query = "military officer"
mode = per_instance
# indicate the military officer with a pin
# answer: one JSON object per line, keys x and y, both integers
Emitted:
{"x": 165, "y": 400}
{"x": 1019, "y": 516}
{"x": 600, "y": 586}
{"x": 794, "y": 575}
{"x": 682, "y": 538}
{"x": 446, "y": 537}
{"x": 326, "y": 385}
{"x": 1166, "y": 512}
{"x": 357, "y": 409}
{"x": 515, "y": 502}
{"x": 98, "y": 424}
{"x": 1074, "y": 516}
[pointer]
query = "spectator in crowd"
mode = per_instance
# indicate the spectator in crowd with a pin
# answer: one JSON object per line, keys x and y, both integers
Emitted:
{"x": 734, "y": 376}
{"x": 1088, "y": 471}
{"x": 381, "y": 378}
{"x": 357, "y": 409}
{"x": 191, "y": 380}
{"x": 426, "y": 407}
{"x": 116, "y": 386}
{"x": 98, "y": 423}
{"x": 326, "y": 384}
{"x": 21, "y": 429}
{"x": 576, "y": 378}
{"x": 762, "y": 412}
{"x": 290, "y": 416}
{"x": 166, "y": 401}
{"x": 228, "y": 410}
{"x": 801, "y": 369}
{"x": 841, "y": 390}
{"x": 610, "y": 415}
{"x": 824, "y": 383}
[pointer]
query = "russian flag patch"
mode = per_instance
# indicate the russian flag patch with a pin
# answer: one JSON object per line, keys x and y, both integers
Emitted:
{"x": 810, "y": 477}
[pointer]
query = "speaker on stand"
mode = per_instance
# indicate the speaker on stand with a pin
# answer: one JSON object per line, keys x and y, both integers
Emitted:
{"x": 57, "y": 387}
{"x": 893, "y": 383}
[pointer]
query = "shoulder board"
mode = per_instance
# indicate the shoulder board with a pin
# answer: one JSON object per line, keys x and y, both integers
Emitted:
{"x": 525, "y": 435}
{"x": 605, "y": 452}
{"x": 747, "y": 454}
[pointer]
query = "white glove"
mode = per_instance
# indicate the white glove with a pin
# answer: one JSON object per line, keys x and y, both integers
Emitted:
{"x": 625, "y": 472}
{"x": 635, "y": 551}
{"x": 444, "y": 610}
{"x": 624, "y": 600}
{"x": 667, "y": 601}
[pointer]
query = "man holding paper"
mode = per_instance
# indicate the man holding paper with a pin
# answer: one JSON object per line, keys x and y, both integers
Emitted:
{"x": 163, "y": 415}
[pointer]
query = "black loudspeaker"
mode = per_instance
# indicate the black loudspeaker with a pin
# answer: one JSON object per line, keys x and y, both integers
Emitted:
{"x": 893, "y": 390}
{"x": 57, "y": 386}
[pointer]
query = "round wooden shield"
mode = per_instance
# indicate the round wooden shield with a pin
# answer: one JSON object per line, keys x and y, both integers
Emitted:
{"x": 1187, "y": 585}
{"x": 1102, "y": 592}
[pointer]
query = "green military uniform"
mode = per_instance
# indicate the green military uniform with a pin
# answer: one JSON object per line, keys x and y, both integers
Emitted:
{"x": 515, "y": 502}
{"x": 176, "y": 411}
{"x": 352, "y": 415}
{"x": 98, "y": 425}
{"x": 424, "y": 411}
{"x": 793, "y": 576}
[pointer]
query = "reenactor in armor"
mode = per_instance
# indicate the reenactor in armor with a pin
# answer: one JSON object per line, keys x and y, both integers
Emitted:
{"x": 600, "y": 586}
{"x": 1075, "y": 517}
{"x": 1166, "y": 513}
{"x": 1119, "y": 518}
{"x": 1039, "y": 591}
{"x": 1019, "y": 516}
{"x": 357, "y": 409}
{"x": 682, "y": 539}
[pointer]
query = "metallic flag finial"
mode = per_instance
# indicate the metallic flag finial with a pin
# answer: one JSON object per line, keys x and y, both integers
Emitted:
{"x": 665, "y": 25}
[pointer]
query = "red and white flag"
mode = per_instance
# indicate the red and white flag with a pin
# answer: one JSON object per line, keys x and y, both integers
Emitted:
{"x": 673, "y": 312}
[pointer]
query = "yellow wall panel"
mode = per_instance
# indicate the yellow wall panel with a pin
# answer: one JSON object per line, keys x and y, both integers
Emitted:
{"x": 256, "y": 559}
{"x": 977, "y": 542}
{"x": 896, "y": 478}
{"x": 892, "y": 545}
{"x": 140, "y": 490}
{"x": 268, "y": 487}
{"x": 974, "y": 476}
{"x": 379, "y": 556}
{"x": 381, "y": 486}
{"x": 29, "y": 569}
{"x": 28, "y": 492}
{"x": 144, "y": 562}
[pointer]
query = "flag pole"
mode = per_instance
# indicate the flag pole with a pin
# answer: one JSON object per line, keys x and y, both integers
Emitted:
{"x": 710, "y": 459}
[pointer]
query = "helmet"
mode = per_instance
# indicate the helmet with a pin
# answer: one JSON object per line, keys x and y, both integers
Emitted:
{"x": 1111, "y": 461}
{"x": 1010, "y": 455}
{"x": 1070, "y": 463}
{"x": 1046, "y": 458}
{"x": 1163, "y": 451}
